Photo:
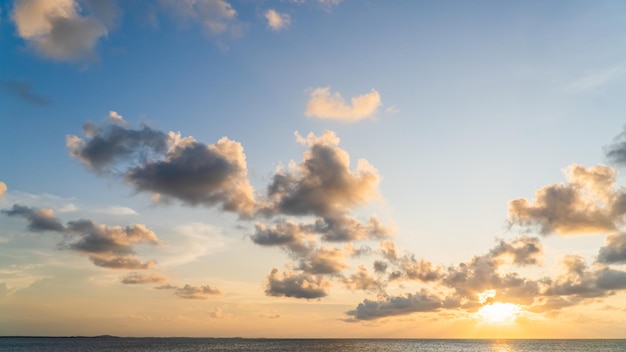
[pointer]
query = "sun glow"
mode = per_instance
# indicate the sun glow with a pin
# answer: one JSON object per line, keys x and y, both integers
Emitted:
{"x": 496, "y": 312}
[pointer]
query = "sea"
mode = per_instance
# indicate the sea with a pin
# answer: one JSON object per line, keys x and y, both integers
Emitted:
{"x": 145, "y": 344}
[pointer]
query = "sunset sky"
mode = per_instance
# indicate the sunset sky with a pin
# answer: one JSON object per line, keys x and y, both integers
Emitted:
{"x": 313, "y": 168}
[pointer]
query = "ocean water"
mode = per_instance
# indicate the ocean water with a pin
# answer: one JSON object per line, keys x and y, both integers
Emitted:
{"x": 52, "y": 344}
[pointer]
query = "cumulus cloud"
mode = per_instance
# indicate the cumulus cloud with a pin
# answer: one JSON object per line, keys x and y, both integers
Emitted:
{"x": 24, "y": 91}
{"x": 364, "y": 281}
{"x": 111, "y": 246}
{"x": 59, "y": 30}
{"x": 323, "y": 184}
{"x": 108, "y": 145}
{"x": 3, "y": 189}
{"x": 323, "y": 261}
{"x": 106, "y": 246}
{"x": 296, "y": 238}
{"x": 277, "y": 21}
{"x": 290, "y": 284}
{"x": 326, "y": 105}
{"x": 199, "y": 174}
{"x": 421, "y": 301}
{"x": 587, "y": 203}
{"x": 614, "y": 251}
{"x": 39, "y": 220}
{"x": 169, "y": 166}
{"x": 482, "y": 272}
{"x": 139, "y": 278}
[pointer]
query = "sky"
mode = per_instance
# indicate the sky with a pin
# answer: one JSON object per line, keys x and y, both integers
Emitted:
{"x": 313, "y": 168}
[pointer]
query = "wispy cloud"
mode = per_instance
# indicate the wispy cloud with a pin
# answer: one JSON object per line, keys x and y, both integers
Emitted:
{"x": 597, "y": 79}
{"x": 24, "y": 91}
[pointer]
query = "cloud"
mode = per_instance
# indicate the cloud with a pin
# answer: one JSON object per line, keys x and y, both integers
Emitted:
{"x": 598, "y": 79}
{"x": 326, "y": 105}
{"x": 199, "y": 174}
{"x": 407, "y": 266}
{"x": 56, "y": 28}
{"x": 3, "y": 189}
{"x": 296, "y": 238}
{"x": 323, "y": 261}
{"x": 277, "y": 21}
{"x": 421, "y": 301}
{"x": 169, "y": 166}
{"x": 118, "y": 210}
{"x": 520, "y": 251}
{"x": 24, "y": 91}
{"x": 614, "y": 251}
{"x": 117, "y": 118}
{"x": 482, "y": 273}
{"x": 139, "y": 278}
{"x": 193, "y": 292}
{"x": 216, "y": 16}
{"x": 616, "y": 152}
{"x": 39, "y": 220}
{"x": 111, "y": 246}
{"x": 323, "y": 184}
{"x": 294, "y": 285}
{"x": 587, "y": 203}
{"x": 363, "y": 280}
{"x": 108, "y": 145}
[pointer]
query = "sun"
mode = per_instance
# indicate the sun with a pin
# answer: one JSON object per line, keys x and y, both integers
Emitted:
{"x": 496, "y": 312}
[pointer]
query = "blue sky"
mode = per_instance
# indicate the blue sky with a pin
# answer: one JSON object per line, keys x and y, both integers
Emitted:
{"x": 465, "y": 106}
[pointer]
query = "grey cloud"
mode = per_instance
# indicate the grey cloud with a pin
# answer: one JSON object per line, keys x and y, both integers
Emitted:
{"x": 24, "y": 91}
{"x": 616, "y": 152}
{"x": 111, "y": 246}
{"x": 138, "y": 278}
{"x": 363, "y": 280}
{"x": 58, "y": 30}
{"x": 323, "y": 261}
{"x": 322, "y": 184}
{"x": 614, "y": 251}
{"x": 198, "y": 174}
{"x": 294, "y": 237}
{"x": 106, "y": 146}
{"x": 521, "y": 250}
{"x": 294, "y": 285}
{"x": 582, "y": 282}
{"x": 587, "y": 203}
{"x": 169, "y": 166}
{"x": 421, "y": 301}
{"x": 39, "y": 220}
{"x": 407, "y": 266}
{"x": 197, "y": 292}
{"x": 343, "y": 228}
{"x": 482, "y": 273}
{"x": 380, "y": 266}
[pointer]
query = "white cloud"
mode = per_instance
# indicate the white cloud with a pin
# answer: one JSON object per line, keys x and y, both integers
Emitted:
{"x": 116, "y": 117}
{"x": 117, "y": 210}
{"x": 56, "y": 29}
{"x": 277, "y": 21}
{"x": 326, "y": 105}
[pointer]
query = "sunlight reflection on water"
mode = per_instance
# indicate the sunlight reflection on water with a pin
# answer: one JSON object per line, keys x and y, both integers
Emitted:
{"x": 305, "y": 345}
